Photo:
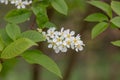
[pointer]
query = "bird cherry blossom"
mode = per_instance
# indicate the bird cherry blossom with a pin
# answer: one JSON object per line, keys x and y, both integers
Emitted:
{"x": 18, "y": 3}
{"x": 62, "y": 40}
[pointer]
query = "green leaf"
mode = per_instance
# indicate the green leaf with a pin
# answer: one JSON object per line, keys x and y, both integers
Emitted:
{"x": 49, "y": 25}
{"x": 7, "y": 40}
{"x": 33, "y": 35}
{"x": 13, "y": 31}
{"x": 18, "y": 16}
{"x": 0, "y": 67}
{"x": 60, "y": 6}
{"x": 99, "y": 28}
{"x": 76, "y": 4}
{"x": 116, "y": 43}
{"x": 103, "y": 6}
{"x": 37, "y": 57}
{"x": 1, "y": 44}
{"x": 39, "y": 8}
{"x": 112, "y": 26}
{"x": 16, "y": 48}
{"x": 43, "y": 2}
{"x": 41, "y": 14}
{"x": 116, "y": 6}
{"x": 116, "y": 21}
{"x": 96, "y": 17}
{"x": 8, "y": 65}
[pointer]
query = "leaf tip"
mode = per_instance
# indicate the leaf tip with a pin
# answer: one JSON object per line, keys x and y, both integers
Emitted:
{"x": 0, "y": 67}
{"x": 61, "y": 76}
{"x": 113, "y": 43}
{"x": 93, "y": 37}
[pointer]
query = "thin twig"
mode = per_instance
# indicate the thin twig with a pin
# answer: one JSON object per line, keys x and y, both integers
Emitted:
{"x": 33, "y": 23}
{"x": 74, "y": 57}
{"x": 36, "y": 72}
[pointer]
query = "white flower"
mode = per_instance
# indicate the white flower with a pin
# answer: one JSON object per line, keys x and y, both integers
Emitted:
{"x": 4, "y": 1}
{"x": 69, "y": 34}
{"x": 76, "y": 40}
{"x": 51, "y": 45}
{"x": 61, "y": 40}
{"x": 13, "y": 1}
{"x": 79, "y": 47}
{"x": 64, "y": 49}
{"x": 58, "y": 40}
{"x": 57, "y": 50}
{"x": 62, "y": 32}
{"x": 51, "y": 32}
{"x": 67, "y": 43}
{"x": 18, "y": 3}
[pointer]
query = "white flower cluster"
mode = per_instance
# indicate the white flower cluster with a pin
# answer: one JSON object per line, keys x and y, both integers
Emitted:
{"x": 18, "y": 3}
{"x": 60, "y": 41}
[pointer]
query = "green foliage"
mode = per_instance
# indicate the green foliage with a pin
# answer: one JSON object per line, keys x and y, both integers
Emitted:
{"x": 37, "y": 57}
{"x": 99, "y": 17}
{"x": 116, "y": 21}
{"x": 7, "y": 66}
{"x": 33, "y": 35}
{"x": 113, "y": 22}
{"x": 116, "y": 6}
{"x": 103, "y": 6}
{"x": 16, "y": 48}
{"x": 13, "y": 43}
{"x": 0, "y": 67}
{"x": 13, "y": 31}
{"x": 41, "y": 14}
{"x": 60, "y": 6}
{"x": 1, "y": 44}
{"x": 116, "y": 43}
{"x": 113, "y": 26}
{"x": 5, "y": 37}
{"x": 96, "y": 17}
{"x": 49, "y": 24}
{"x": 18, "y": 16}
{"x": 99, "y": 28}
{"x": 76, "y": 4}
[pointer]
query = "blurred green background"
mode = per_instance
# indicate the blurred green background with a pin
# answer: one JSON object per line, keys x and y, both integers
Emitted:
{"x": 99, "y": 60}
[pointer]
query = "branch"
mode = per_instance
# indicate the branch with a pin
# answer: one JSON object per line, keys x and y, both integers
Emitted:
{"x": 33, "y": 23}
